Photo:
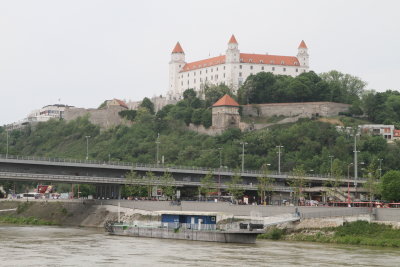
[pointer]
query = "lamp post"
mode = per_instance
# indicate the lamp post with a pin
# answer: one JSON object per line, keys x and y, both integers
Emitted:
{"x": 355, "y": 157}
{"x": 331, "y": 157}
{"x": 158, "y": 147}
{"x": 243, "y": 144}
{"x": 7, "y": 145}
{"x": 87, "y": 146}
{"x": 380, "y": 168}
{"x": 348, "y": 183}
{"x": 219, "y": 176}
{"x": 279, "y": 159}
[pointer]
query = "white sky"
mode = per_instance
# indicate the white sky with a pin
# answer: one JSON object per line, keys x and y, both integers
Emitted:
{"x": 84, "y": 52}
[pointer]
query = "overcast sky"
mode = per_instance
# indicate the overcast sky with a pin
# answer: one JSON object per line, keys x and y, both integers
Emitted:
{"x": 83, "y": 52}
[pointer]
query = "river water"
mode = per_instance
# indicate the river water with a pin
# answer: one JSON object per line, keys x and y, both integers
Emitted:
{"x": 57, "y": 246}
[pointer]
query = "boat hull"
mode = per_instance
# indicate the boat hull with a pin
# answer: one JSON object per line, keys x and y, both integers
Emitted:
{"x": 246, "y": 237}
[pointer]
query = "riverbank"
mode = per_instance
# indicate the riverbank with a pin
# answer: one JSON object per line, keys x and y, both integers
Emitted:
{"x": 352, "y": 233}
{"x": 70, "y": 213}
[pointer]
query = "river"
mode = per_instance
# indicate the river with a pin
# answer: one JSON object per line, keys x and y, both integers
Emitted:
{"x": 57, "y": 246}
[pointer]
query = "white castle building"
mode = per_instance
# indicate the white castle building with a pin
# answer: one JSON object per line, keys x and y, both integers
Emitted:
{"x": 232, "y": 69}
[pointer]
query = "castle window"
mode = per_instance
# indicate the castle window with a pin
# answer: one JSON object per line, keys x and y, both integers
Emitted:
{"x": 250, "y": 60}
{"x": 224, "y": 75}
{"x": 282, "y": 62}
{"x": 240, "y": 74}
{"x": 297, "y": 70}
{"x": 224, "y": 67}
{"x": 194, "y": 81}
{"x": 188, "y": 74}
{"x": 179, "y": 66}
{"x": 200, "y": 72}
{"x": 211, "y": 77}
{"x": 284, "y": 69}
{"x": 181, "y": 83}
{"x": 206, "y": 78}
{"x": 273, "y": 68}
{"x": 201, "y": 80}
{"x": 216, "y": 77}
{"x": 194, "y": 73}
{"x": 240, "y": 66}
{"x": 251, "y": 67}
{"x": 211, "y": 69}
{"x": 188, "y": 82}
{"x": 206, "y": 71}
{"x": 217, "y": 69}
{"x": 262, "y": 68}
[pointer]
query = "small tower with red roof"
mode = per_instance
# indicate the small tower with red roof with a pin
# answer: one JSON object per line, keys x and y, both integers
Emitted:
{"x": 225, "y": 113}
{"x": 302, "y": 54}
{"x": 175, "y": 65}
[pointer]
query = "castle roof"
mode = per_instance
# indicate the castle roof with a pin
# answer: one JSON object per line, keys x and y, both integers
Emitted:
{"x": 226, "y": 100}
{"x": 269, "y": 59}
{"x": 244, "y": 58}
{"x": 302, "y": 44}
{"x": 232, "y": 40}
{"x": 204, "y": 63}
{"x": 177, "y": 48}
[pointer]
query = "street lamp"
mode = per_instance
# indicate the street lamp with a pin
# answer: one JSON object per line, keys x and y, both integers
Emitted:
{"x": 219, "y": 176}
{"x": 348, "y": 183}
{"x": 331, "y": 157}
{"x": 243, "y": 144}
{"x": 7, "y": 145}
{"x": 279, "y": 159}
{"x": 87, "y": 146}
{"x": 158, "y": 145}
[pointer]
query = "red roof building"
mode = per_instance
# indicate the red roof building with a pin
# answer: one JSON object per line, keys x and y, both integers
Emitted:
{"x": 231, "y": 68}
{"x": 226, "y": 100}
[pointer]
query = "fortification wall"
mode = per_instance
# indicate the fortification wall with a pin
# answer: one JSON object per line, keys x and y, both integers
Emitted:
{"x": 305, "y": 110}
{"x": 105, "y": 118}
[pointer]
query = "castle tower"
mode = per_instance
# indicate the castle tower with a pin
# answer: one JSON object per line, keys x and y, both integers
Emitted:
{"x": 175, "y": 65}
{"x": 225, "y": 113}
{"x": 232, "y": 60}
{"x": 302, "y": 54}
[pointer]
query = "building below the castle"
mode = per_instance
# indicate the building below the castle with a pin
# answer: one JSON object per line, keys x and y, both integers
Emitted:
{"x": 231, "y": 69}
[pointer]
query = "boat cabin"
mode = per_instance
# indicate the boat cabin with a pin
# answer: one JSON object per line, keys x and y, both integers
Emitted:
{"x": 193, "y": 220}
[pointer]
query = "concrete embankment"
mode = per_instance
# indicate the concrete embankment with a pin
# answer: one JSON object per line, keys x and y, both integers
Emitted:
{"x": 94, "y": 213}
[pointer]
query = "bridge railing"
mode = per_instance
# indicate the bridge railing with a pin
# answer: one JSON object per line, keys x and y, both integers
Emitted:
{"x": 161, "y": 167}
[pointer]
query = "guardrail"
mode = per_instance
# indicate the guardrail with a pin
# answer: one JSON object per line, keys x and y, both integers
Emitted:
{"x": 163, "y": 167}
{"x": 120, "y": 181}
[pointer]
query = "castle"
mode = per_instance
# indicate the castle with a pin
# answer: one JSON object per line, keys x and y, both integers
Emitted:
{"x": 231, "y": 69}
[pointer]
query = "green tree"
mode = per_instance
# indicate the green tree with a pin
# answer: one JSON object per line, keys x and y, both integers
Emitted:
{"x": 168, "y": 185}
{"x": 391, "y": 186}
{"x": 150, "y": 180}
{"x": 207, "y": 184}
{"x": 372, "y": 185}
{"x": 297, "y": 182}
{"x": 235, "y": 186}
{"x": 147, "y": 104}
{"x": 265, "y": 185}
{"x": 133, "y": 186}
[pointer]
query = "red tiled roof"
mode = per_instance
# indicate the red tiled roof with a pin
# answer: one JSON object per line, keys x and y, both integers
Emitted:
{"x": 226, "y": 100}
{"x": 232, "y": 40}
{"x": 302, "y": 44}
{"x": 121, "y": 103}
{"x": 178, "y": 48}
{"x": 269, "y": 59}
{"x": 204, "y": 63}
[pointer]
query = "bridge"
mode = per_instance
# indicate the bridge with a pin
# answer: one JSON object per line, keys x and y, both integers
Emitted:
{"x": 109, "y": 176}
